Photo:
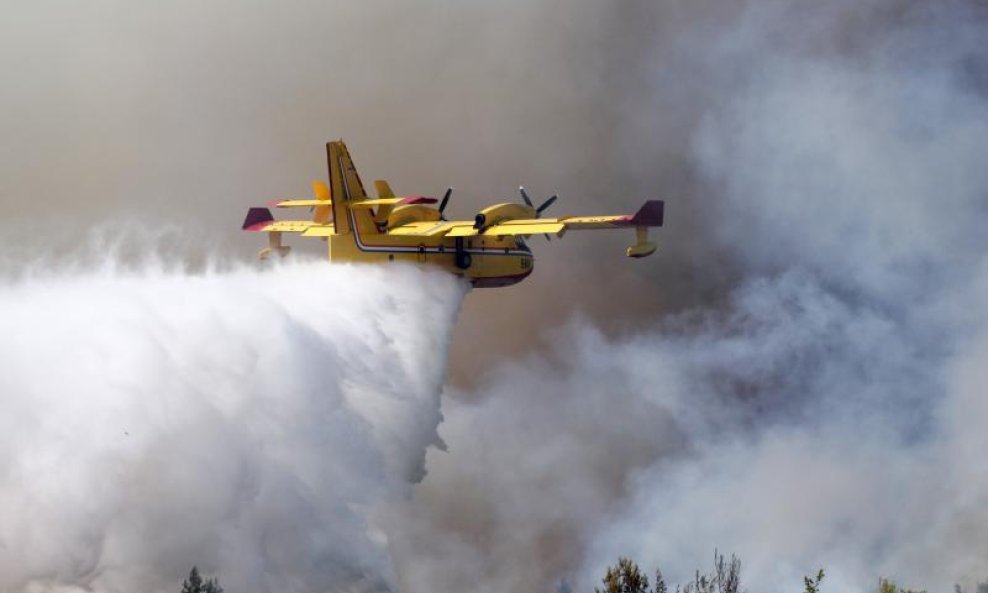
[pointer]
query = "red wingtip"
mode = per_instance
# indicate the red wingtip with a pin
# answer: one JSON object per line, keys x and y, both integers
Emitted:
{"x": 257, "y": 219}
{"x": 418, "y": 200}
{"x": 652, "y": 213}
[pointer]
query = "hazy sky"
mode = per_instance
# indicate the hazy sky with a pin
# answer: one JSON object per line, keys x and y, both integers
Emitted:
{"x": 184, "y": 114}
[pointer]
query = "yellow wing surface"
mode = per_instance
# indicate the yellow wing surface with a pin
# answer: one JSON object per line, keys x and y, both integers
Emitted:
{"x": 299, "y": 203}
{"x": 651, "y": 214}
{"x": 260, "y": 219}
{"x": 374, "y": 203}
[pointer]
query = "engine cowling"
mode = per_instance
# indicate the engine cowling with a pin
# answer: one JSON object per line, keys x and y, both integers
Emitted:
{"x": 411, "y": 213}
{"x": 497, "y": 213}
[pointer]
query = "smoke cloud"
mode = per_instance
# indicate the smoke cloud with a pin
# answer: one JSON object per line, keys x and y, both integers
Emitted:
{"x": 796, "y": 377}
{"x": 827, "y": 413}
{"x": 248, "y": 422}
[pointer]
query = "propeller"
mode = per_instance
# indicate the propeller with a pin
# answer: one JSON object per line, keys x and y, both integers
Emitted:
{"x": 524, "y": 196}
{"x": 442, "y": 205}
{"x": 546, "y": 204}
{"x": 538, "y": 211}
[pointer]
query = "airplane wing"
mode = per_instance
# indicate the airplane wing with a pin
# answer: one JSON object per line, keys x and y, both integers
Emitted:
{"x": 260, "y": 220}
{"x": 534, "y": 226}
{"x": 392, "y": 202}
{"x": 299, "y": 203}
{"x": 649, "y": 215}
{"x": 652, "y": 213}
{"x": 429, "y": 228}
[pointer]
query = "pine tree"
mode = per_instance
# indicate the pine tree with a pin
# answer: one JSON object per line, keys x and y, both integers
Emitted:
{"x": 812, "y": 585}
{"x": 624, "y": 578}
{"x": 660, "y": 583}
{"x": 195, "y": 583}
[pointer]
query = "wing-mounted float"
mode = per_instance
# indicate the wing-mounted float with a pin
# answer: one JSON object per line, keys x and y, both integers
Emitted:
{"x": 489, "y": 250}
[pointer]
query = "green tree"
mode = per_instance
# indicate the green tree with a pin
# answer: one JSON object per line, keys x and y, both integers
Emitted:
{"x": 980, "y": 588}
{"x": 624, "y": 578}
{"x": 889, "y": 586}
{"x": 812, "y": 585}
{"x": 196, "y": 584}
{"x": 193, "y": 584}
{"x": 212, "y": 586}
{"x": 660, "y": 583}
{"x": 726, "y": 577}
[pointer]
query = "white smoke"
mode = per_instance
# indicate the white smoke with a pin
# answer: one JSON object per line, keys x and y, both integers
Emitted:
{"x": 247, "y": 422}
{"x": 830, "y": 414}
{"x": 827, "y": 412}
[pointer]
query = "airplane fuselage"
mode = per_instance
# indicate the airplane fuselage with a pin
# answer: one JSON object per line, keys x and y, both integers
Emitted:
{"x": 488, "y": 262}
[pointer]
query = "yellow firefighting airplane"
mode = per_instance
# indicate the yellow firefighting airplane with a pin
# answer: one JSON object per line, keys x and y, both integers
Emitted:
{"x": 490, "y": 250}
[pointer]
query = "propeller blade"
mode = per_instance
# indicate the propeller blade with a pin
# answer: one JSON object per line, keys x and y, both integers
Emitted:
{"x": 442, "y": 205}
{"x": 545, "y": 205}
{"x": 524, "y": 196}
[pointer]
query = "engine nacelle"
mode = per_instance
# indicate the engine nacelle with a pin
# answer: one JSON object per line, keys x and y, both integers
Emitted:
{"x": 497, "y": 213}
{"x": 411, "y": 213}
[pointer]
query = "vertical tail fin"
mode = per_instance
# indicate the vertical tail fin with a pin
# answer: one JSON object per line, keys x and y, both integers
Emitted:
{"x": 346, "y": 188}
